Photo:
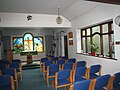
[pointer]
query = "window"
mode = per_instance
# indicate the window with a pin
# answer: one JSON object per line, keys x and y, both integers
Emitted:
{"x": 101, "y": 35}
{"x": 28, "y": 43}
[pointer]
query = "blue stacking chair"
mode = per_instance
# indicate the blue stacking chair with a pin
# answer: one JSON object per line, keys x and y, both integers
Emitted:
{"x": 73, "y": 60}
{"x": 81, "y": 85}
{"x": 45, "y": 64}
{"x": 61, "y": 62}
{"x": 63, "y": 57}
{"x": 18, "y": 67}
{"x": 102, "y": 82}
{"x": 41, "y": 62}
{"x": 4, "y": 64}
{"x": 81, "y": 64}
{"x": 51, "y": 70}
{"x": 80, "y": 74}
{"x": 62, "y": 79}
{"x": 68, "y": 66}
{"x": 55, "y": 59}
{"x": 16, "y": 60}
{"x": 11, "y": 72}
{"x": 95, "y": 71}
{"x": 6, "y": 82}
{"x": 116, "y": 82}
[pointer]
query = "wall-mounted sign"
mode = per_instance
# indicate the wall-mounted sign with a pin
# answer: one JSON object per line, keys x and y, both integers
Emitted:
{"x": 70, "y": 35}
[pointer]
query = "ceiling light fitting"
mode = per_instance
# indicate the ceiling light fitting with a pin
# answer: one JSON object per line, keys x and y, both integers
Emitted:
{"x": 59, "y": 20}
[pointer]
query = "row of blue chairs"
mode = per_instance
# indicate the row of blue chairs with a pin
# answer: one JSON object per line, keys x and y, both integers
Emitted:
{"x": 105, "y": 82}
{"x": 15, "y": 64}
{"x": 78, "y": 74}
{"x": 64, "y": 78}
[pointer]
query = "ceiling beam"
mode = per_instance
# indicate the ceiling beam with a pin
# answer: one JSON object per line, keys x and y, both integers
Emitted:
{"x": 107, "y": 1}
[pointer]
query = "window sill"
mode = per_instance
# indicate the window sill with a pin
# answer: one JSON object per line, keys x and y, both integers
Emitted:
{"x": 100, "y": 56}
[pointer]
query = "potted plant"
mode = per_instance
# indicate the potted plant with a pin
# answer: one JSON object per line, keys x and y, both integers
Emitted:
{"x": 94, "y": 49}
{"x": 111, "y": 53}
{"x": 29, "y": 58}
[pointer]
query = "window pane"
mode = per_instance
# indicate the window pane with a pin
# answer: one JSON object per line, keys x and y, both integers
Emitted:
{"x": 105, "y": 28}
{"x": 88, "y": 31}
{"x": 17, "y": 44}
{"x": 83, "y": 32}
{"x": 38, "y": 44}
{"x": 105, "y": 45}
{"x": 28, "y": 42}
{"x": 96, "y": 40}
{"x": 112, "y": 44}
{"x": 84, "y": 45}
{"x": 96, "y": 29}
{"x": 88, "y": 45}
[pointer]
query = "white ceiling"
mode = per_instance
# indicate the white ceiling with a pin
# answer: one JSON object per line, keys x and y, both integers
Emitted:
{"x": 68, "y": 8}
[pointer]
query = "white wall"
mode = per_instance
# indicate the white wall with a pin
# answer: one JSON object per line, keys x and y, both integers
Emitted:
{"x": 38, "y": 20}
{"x": 99, "y": 14}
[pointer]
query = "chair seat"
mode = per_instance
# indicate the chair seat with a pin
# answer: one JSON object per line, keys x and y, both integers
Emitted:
{"x": 63, "y": 81}
{"x": 93, "y": 76}
{"x": 116, "y": 87}
{"x": 52, "y": 73}
{"x": 79, "y": 79}
{"x": 100, "y": 88}
{"x": 5, "y": 88}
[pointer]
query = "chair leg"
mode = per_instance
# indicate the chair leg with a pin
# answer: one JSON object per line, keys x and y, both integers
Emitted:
{"x": 21, "y": 76}
{"x": 52, "y": 85}
{"x": 64, "y": 88}
{"x": 16, "y": 85}
{"x": 47, "y": 80}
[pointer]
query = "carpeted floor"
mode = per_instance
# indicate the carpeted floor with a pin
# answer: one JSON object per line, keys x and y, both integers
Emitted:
{"x": 32, "y": 80}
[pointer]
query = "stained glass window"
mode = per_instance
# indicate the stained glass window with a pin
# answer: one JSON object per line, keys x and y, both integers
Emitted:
{"x": 38, "y": 44}
{"x": 28, "y": 43}
{"x": 17, "y": 44}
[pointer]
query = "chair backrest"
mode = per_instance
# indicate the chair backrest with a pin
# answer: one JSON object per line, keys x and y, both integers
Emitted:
{"x": 81, "y": 64}
{"x": 52, "y": 69}
{"x": 102, "y": 81}
{"x": 73, "y": 60}
{"x": 68, "y": 66}
{"x": 10, "y": 71}
{"x": 117, "y": 78}
{"x": 47, "y": 63}
{"x": 15, "y": 65}
{"x": 81, "y": 85}
{"x": 16, "y": 60}
{"x": 64, "y": 74}
{"x": 4, "y": 61}
{"x": 2, "y": 65}
{"x": 43, "y": 59}
{"x": 60, "y": 62}
{"x": 95, "y": 68}
{"x": 54, "y": 58}
{"x": 79, "y": 73}
{"x": 6, "y": 82}
{"x": 64, "y": 57}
